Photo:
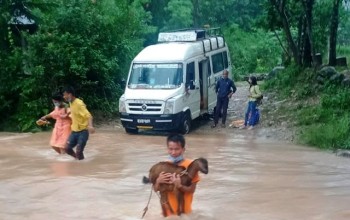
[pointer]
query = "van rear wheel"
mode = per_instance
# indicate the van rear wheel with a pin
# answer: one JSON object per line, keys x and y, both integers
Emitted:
{"x": 185, "y": 125}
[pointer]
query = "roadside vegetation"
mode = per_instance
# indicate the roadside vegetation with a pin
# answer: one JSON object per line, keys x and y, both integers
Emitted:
{"x": 318, "y": 109}
{"x": 45, "y": 45}
{"x": 319, "y": 112}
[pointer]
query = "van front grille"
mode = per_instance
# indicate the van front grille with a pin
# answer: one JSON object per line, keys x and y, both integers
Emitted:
{"x": 139, "y": 107}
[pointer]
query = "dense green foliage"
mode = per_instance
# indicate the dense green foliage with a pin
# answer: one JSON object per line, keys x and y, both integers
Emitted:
{"x": 196, "y": 13}
{"x": 247, "y": 57}
{"x": 327, "y": 124}
{"x": 320, "y": 111}
{"x": 84, "y": 44}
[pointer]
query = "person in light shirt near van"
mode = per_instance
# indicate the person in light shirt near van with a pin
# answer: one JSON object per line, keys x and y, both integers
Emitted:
{"x": 224, "y": 89}
{"x": 251, "y": 116}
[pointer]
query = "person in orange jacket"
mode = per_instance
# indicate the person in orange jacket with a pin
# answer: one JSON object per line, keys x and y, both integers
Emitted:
{"x": 176, "y": 149}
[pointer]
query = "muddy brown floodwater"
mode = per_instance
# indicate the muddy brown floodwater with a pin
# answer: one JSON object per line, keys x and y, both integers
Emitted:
{"x": 249, "y": 178}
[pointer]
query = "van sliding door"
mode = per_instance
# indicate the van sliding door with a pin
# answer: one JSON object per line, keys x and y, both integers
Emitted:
{"x": 192, "y": 98}
{"x": 204, "y": 84}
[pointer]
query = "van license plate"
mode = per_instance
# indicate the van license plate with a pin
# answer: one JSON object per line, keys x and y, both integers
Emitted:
{"x": 143, "y": 121}
{"x": 144, "y": 127}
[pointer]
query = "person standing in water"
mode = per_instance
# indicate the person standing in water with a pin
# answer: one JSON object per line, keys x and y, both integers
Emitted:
{"x": 62, "y": 128}
{"x": 176, "y": 150}
{"x": 81, "y": 124}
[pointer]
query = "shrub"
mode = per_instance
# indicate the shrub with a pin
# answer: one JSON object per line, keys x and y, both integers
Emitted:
{"x": 248, "y": 57}
{"x": 86, "y": 44}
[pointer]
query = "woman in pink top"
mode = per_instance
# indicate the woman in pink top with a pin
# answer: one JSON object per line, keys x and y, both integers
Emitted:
{"x": 62, "y": 128}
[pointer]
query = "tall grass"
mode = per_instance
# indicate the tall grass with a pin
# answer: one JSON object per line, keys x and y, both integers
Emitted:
{"x": 344, "y": 50}
{"x": 331, "y": 119}
{"x": 322, "y": 112}
{"x": 332, "y": 134}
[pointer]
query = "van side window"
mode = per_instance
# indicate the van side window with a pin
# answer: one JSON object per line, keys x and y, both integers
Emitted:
{"x": 218, "y": 62}
{"x": 190, "y": 72}
{"x": 209, "y": 69}
{"x": 190, "y": 76}
{"x": 224, "y": 55}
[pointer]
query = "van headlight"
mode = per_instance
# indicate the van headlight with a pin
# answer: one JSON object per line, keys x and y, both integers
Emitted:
{"x": 169, "y": 107}
{"x": 122, "y": 107}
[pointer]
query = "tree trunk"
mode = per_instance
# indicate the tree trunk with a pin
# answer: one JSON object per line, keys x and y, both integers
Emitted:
{"x": 309, "y": 53}
{"x": 307, "y": 58}
{"x": 195, "y": 13}
{"x": 280, "y": 7}
{"x": 301, "y": 36}
{"x": 333, "y": 33}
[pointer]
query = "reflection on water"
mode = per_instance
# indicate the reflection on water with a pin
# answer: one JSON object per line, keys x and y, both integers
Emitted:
{"x": 249, "y": 179}
{"x": 60, "y": 169}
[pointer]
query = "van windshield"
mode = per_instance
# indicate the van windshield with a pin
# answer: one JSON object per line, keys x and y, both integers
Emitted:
{"x": 156, "y": 76}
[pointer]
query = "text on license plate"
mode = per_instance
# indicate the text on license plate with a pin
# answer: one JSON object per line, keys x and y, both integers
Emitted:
{"x": 143, "y": 121}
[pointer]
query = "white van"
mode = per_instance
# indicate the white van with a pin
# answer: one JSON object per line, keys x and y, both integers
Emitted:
{"x": 173, "y": 82}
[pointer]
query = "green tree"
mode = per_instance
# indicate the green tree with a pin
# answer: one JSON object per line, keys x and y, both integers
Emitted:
{"x": 196, "y": 13}
{"x": 312, "y": 28}
{"x": 333, "y": 29}
{"x": 87, "y": 44}
{"x": 224, "y": 13}
{"x": 180, "y": 14}
{"x": 247, "y": 57}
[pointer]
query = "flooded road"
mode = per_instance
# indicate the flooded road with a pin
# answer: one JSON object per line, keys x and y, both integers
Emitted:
{"x": 249, "y": 178}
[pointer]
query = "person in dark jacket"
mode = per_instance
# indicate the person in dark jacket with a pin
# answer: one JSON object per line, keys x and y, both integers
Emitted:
{"x": 224, "y": 89}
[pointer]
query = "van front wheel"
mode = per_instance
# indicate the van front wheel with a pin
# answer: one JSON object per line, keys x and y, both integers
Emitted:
{"x": 131, "y": 130}
{"x": 185, "y": 125}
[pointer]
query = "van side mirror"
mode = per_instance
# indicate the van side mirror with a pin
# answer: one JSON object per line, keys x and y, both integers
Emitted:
{"x": 190, "y": 85}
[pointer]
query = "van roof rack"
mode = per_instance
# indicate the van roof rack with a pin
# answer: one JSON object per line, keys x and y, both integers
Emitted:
{"x": 189, "y": 34}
